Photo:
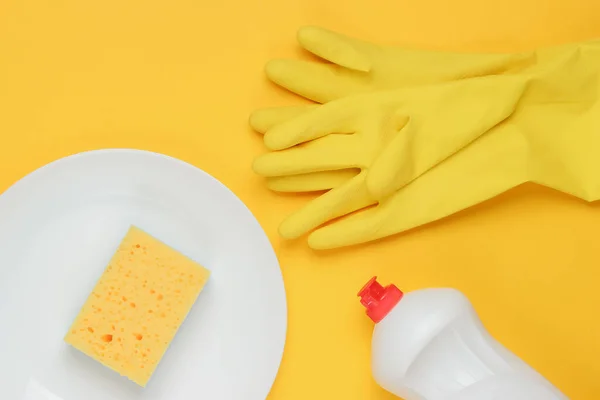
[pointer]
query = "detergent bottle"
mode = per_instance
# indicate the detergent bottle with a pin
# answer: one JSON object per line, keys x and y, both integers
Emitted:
{"x": 430, "y": 345}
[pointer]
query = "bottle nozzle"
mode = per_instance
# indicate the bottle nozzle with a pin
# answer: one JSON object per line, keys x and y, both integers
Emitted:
{"x": 379, "y": 300}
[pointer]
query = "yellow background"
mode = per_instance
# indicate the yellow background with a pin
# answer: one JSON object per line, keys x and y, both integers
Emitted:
{"x": 180, "y": 77}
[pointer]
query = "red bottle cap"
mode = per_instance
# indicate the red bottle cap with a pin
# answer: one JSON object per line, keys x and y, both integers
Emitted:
{"x": 379, "y": 300}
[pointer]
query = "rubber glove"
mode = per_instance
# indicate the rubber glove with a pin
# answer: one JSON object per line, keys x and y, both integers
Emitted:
{"x": 419, "y": 126}
{"x": 551, "y": 139}
{"x": 359, "y": 67}
{"x": 490, "y": 166}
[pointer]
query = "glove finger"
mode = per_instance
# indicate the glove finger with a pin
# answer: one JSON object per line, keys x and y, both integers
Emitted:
{"x": 342, "y": 200}
{"x": 490, "y": 166}
{"x": 333, "y": 152}
{"x": 333, "y": 47}
{"x": 311, "y": 182}
{"x": 316, "y": 81}
{"x": 266, "y": 118}
{"x": 354, "y": 229}
{"x": 337, "y": 117}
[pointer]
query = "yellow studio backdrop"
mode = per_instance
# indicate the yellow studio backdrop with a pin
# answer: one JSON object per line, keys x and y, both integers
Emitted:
{"x": 180, "y": 78}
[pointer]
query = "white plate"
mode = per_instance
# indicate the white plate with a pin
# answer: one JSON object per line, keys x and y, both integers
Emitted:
{"x": 60, "y": 225}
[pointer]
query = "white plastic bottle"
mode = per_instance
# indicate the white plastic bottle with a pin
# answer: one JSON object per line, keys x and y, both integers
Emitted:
{"x": 430, "y": 345}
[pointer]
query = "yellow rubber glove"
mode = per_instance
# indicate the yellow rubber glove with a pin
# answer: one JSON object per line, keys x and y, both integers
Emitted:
{"x": 490, "y": 166}
{"x": 419, "y": 126}
{"x": 359, "y": 67}
{"x": 551, "y": 139}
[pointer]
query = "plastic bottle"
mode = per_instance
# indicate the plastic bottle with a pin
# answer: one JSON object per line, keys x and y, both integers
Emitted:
{"x": 430, "y": 345}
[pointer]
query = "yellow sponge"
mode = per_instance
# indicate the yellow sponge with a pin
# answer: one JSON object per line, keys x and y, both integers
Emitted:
{"x": 137, "y": 306}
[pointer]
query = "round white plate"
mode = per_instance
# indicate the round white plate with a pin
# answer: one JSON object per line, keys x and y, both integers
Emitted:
{"x": 59, "y": 227}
